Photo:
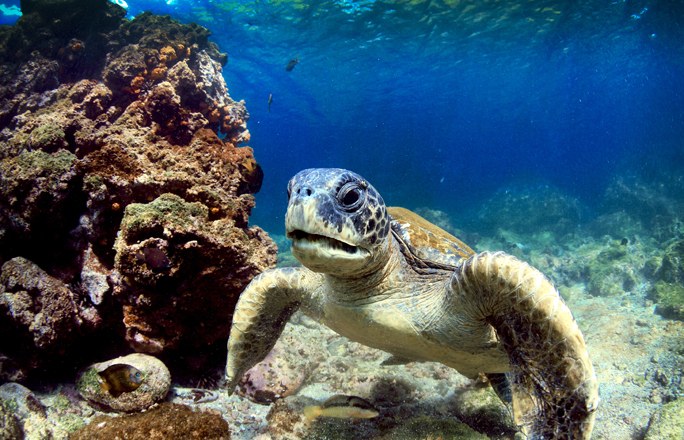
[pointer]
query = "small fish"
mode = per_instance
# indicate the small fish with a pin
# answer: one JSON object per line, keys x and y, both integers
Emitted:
{"x": 342, "y": 407}
{"x": 270, "y": 101}
{"x": 291, "y": 64}
{"x": 120, "y": 378}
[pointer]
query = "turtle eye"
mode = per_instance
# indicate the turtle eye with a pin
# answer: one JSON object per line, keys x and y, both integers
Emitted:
{"x": 351, "y": 196}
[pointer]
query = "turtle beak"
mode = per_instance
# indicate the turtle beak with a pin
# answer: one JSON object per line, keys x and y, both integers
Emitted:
{"x": 327, "y": 255}
{"x": 302, "y": 239}
{"x": 317, "y": 248}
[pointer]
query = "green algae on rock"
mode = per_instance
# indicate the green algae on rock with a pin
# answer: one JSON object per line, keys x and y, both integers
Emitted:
{"x": 48, "y": 137}
{"x": 667, "y": 423}
{"x": 531, "y": 208}
{"x": 612, "y": 272}
{"x": 671, "y": 267}
{"x": 167, "y": 421}
{"x": 669, "y": 298}
{"x": 427, "y": 428}
{"x": 39, "y": 192}
{"x": 10, "y": 429}
{"x": 667, "y": 272}
{"x": 480, "y": 408}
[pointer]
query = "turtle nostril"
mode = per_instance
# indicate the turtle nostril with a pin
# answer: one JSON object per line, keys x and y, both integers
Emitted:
{"x": 304, "y": 191}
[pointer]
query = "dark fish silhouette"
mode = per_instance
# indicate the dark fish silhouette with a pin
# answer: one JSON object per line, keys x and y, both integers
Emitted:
{"x": 291, "y": 64}
{"x": 120, "y": 378}
{"x": 270, "y": 101}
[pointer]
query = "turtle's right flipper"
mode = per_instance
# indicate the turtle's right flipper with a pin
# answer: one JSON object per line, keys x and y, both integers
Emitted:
{"x": 261, "y": 313}
{"x": 554, "y": 388}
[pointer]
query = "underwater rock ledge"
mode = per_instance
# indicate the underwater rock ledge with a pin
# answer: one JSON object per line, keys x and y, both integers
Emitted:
{"x": 108, "y": 128}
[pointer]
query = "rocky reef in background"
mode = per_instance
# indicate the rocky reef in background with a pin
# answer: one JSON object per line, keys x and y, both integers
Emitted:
{"x": 630, "y": 245}
{"x": 123, "y": 213}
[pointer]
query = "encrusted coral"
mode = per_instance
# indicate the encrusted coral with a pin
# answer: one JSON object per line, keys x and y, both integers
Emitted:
{"x": 176, "y": 261}
{"x": 166, "y": 421}
{"x": 100, "y": 117}
{"x": 38, "y": 316}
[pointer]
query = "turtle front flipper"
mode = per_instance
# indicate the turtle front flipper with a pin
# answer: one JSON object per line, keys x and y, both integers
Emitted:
{"x": 262, "y": 311}
{"x": 555, "y": 391}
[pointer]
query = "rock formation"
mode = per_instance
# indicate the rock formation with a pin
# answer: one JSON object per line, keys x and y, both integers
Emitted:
{"x": 113, "y": 128}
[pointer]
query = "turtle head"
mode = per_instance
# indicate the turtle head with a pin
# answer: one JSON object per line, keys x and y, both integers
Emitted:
{"x": 337, "y": 222}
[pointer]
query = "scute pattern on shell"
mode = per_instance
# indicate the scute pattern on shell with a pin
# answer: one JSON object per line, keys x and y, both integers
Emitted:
{"x": 426, "y": 240}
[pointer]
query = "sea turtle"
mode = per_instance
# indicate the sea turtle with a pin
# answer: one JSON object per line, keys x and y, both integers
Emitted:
{"x": 389, "y": 279}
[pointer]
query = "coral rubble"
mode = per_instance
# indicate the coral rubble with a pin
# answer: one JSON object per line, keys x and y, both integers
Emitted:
{"x": 108, "y": 128}
{"x": 166, "y": 421}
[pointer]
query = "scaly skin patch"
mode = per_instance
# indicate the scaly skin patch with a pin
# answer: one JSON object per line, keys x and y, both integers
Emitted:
{"x": 406, "y": 287}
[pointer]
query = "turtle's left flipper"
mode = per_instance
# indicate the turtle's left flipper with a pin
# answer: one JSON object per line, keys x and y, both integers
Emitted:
{"x": 261, "y": 313}
{"x": 554, "y": 388}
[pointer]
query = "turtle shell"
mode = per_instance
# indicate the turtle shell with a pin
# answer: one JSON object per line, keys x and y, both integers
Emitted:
{"x": 426, "y": 241}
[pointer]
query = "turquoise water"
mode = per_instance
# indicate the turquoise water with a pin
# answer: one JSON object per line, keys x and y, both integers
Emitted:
{"x": 442, "y": 103}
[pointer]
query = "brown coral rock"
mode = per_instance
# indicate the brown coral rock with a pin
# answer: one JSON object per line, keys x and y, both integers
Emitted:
{"x": 168, "y": 421}
{"x": 38, "y": 317}
{"x": 97, "y": 122}
{"x": 178, "y": 267}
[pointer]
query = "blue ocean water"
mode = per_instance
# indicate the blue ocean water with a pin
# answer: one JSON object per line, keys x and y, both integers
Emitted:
{"x": 441, "y": 103}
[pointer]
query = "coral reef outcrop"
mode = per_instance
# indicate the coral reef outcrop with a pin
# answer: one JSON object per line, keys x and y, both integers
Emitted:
{"x": 528, "y": 209}
{"x": 111, "y": 127}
